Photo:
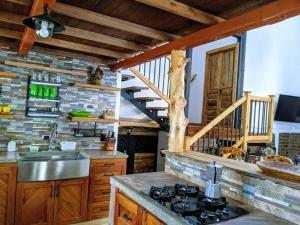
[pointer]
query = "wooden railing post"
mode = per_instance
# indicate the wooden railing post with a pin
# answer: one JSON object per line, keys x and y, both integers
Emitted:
{"x": 271, "y": 117}
{"x": 246, "y": 118}
{"x": 178, "y": 121}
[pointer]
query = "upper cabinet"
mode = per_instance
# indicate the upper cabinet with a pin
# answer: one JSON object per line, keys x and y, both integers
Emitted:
{"x": 8, "y": 173}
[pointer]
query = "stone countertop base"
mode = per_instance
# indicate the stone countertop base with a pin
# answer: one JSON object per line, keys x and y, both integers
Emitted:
{"x": 134, "y": 186}
{"x": 12, "y": 157}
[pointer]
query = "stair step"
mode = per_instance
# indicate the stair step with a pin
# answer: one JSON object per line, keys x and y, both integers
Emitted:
{"x": 126, "y": 77}
{"x": 163, "y": 116}
{"x": 135, "y": 88}
{"x": 147, "y": 99}
{"x": 157, "y": 108}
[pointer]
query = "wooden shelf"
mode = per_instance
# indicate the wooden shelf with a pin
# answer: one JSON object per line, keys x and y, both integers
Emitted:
{"x": 126, "y": 122}
{"x": 6, "y": 115}
{"x": 45, "y": 68}
{"x": 92, "y": 119}
{"x": 96, "y": 87}
{"x": 8, "y": 75}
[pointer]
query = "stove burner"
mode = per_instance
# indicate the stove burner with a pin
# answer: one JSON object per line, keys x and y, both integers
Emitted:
{"x": 185, "y": 207}
{"x": 186, "y": 190}
{"x": 163, "y": 194}
{"x": 212, "y": 204}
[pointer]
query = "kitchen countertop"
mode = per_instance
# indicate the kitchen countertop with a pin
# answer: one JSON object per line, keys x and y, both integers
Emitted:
{"x": 12, "y": 157}
{"x": 134, "y": 186}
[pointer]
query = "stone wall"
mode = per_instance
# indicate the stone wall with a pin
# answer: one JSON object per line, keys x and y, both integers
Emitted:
{"x": 289, "y": 144}
{"x": 272, "y": 197}
{"x": 29, "y": 130}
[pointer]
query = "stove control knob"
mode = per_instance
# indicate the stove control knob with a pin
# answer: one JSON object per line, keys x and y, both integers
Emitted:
{"x": 219, "y": 213}
{"x": 203, "y": 217}
{"x": 211, "y": 215}
{"x": 225, "y": 211}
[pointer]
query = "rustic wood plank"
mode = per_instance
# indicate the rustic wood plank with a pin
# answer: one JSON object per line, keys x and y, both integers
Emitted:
{"x": 6, "y": 74}
{"x": 150, "y": 85}
{"x": 29, "y": 35}
{"x": 126, "y": 122}
{"x": 268, "y": 14}
{"x": 104, "y": 20}
{"x": 39, "y": 67}
{"x": 92, "y": 119}
{"x": 6, "y": 115}
{"x": 184, "y": 10}
{"x": 96, "y": 87}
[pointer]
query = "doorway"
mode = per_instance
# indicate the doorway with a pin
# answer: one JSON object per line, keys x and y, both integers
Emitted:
{"x": 220, "y": 81}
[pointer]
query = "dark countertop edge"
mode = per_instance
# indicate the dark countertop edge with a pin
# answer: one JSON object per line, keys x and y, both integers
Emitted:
{"x": 256, "y": 174}
{"x": 138, "y": 197}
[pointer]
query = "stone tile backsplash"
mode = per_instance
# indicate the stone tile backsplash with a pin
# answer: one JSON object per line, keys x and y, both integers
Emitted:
{"x": 29, "y": 130}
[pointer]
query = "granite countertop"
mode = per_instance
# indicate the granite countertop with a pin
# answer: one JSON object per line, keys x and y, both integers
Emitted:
{"x": 134, "y": 186}
{"x": 12, "y": 157}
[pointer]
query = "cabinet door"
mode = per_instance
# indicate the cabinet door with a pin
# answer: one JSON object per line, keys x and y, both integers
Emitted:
{"x": 149, "y": 219}
{"x": 71, "y": 198}
{"x": 34, "y": 203}
{"x": 127, "y": 212}
{"x": 7, "y": 193}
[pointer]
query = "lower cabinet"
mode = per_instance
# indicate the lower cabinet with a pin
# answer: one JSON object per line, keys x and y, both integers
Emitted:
{"x": 127, "y": 212}
{"x": 52, "y": 202}
{"x": 8, "y": 173}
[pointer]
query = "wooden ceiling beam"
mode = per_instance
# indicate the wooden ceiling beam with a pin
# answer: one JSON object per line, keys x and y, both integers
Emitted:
{"x": 29, "y": 35}
{"x": 80, "y": 33}
{"x": 268, "y": 14}
{"x": 184, "y": 10}
{"x": 66, "y": 44}
{"x": 108, "y": 21}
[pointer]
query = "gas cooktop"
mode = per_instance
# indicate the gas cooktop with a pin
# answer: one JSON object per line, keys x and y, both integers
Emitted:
{"x": 191, "y": 204}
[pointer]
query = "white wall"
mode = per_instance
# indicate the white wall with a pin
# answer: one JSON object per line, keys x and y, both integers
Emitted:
{"x": 273, "y": 64}
{"x": 198, "y": 68}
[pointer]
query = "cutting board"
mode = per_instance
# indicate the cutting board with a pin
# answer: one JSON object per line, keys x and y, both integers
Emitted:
{"x": 280, "y": 170}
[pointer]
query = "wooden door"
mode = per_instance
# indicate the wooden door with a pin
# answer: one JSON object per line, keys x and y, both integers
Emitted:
{"x": 8, "y": 172}
{"x": 149, "y": 219}
{"x": 71, "y": 197}
{"x": 34, "y": 203}
{"x": 220, "y": 81}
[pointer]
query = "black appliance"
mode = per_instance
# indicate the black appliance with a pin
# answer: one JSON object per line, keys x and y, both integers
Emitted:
{"x": 193, "y": 206}
{"x": 288, "y": 109}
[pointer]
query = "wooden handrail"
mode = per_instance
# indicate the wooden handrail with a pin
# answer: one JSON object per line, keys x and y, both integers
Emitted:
{"x": 150, "y": 85}
{"x": 218, "y": 119}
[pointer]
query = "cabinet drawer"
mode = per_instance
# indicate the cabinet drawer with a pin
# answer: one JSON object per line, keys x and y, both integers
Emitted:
{"x": 98, "y": 210}
{"x": 108, "y": 162}
{"x": 101, "y": 175}
{"x": 99, "y": 192}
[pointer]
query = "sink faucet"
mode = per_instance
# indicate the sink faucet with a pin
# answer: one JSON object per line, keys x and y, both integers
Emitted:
{"x": 53, "y": 135}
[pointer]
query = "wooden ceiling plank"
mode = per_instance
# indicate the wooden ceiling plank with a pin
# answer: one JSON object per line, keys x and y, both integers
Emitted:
{"x": 29, "y": 35}
{"x": 108, "y": 21}
{"x": 265, "y": 15}
{"x": 184, "y": 10}
{"x": 79, "y": 33}
{"x": 66, "y": 44}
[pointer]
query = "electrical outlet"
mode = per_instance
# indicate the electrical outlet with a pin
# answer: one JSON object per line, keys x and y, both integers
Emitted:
{"x": 46, "y": 137}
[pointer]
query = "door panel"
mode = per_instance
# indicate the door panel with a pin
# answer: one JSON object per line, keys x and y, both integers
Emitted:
{"x": 220, "y": 81}
{"x": 34, "y": 203}
{"x": 71, "y": 198}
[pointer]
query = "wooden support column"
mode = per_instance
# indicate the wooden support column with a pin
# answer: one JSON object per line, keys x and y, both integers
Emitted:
{"x": 271, "y": 117}
{"x": 178, "y": 121}
{"x": 246, "y": 118}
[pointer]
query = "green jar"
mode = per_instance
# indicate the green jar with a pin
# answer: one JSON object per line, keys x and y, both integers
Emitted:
{"x": 39, "y": 91}
{"x": 53, "y": 92}
{"x": 33, "y": 90}
{"x": 46, "y": 92}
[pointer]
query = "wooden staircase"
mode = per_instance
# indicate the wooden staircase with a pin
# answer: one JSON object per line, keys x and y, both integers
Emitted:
{"x": 248, "y": 120}
{"x": 147, "y": 87}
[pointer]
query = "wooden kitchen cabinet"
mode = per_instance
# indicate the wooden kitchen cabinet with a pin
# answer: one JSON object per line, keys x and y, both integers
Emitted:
{"x": 99, "y": 190}
{"x": 8, "y": 174}
{"x": 51, "y": 202}
{"x": 149, "y": 219}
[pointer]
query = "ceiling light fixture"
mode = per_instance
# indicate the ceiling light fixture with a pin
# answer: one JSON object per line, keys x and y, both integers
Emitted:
{"x": 43, "y": 24}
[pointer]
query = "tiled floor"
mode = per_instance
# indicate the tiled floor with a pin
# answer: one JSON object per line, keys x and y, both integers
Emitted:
{"x": 94, "y": 222}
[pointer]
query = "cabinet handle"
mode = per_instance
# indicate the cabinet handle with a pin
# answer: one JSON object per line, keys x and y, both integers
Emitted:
{"x": 109, "y": 164}
{"x": 127, "y": 217}
{"x": 57, "y": 191}
{"x": 108, "y": 174}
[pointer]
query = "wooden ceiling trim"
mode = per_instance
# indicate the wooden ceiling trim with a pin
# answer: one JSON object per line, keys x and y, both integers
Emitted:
{"x": 184, "y": 10}
{"x": 67, "y": 44}
{"x": 268, "y": 14}
{"x": 29, "y": 35}
{"x": 79, "y": 33}
{"x": 108, "y": 21}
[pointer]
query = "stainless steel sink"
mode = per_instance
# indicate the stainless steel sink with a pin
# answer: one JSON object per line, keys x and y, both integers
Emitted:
{"x": 43, "y": 166}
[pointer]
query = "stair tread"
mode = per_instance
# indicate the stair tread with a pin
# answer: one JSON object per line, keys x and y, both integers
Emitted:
{"x": 135, "y": 88}
{"x": 156, "y": 108}
{"x": 163, "y": 116}
{"x": 126, "y": 77}
{"x": 147, "y": 99}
